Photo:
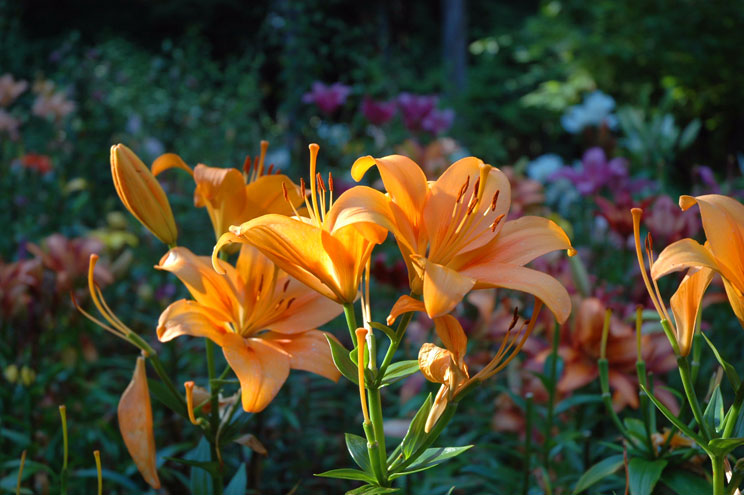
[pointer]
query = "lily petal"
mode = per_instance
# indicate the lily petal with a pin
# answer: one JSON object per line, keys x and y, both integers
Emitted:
{"x": 308, "y": 309}
{"x": 452, "y": 335}
{"x": 540, "y": 285}
{"x": 686, "y": 304}
{"x": 135, "y": 423}
{"x": 444, "y": 288}
{"x": 184, "y": 317}
{"x": 736, "y": 299}
{"x": 222, "y": 192}
{"x": 167, "y": 161}
{"x": 365, "y": 208}
{"x": 309, "y": 351}
{"x": 404, "y": 304}
{"x": 685, "y": 253}
{"x": 261, "y": 368}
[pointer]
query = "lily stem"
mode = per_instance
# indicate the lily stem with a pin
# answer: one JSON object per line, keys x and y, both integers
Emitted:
{"x": 551, "y": 395}
{"x": 399, "y": 333}
{"x": 351, "y": 321}
{"x": 214, "y": 417}
{"x": 718, "y": 473}
{"x": 684, "y": 374}
{"x": 375, "y": 415}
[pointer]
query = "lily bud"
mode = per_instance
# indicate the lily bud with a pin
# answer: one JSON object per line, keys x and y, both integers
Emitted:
{"x": 141, "y": 194}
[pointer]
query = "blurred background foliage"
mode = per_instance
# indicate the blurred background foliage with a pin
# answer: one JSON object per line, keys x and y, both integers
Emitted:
{"x": 208, "y": 80}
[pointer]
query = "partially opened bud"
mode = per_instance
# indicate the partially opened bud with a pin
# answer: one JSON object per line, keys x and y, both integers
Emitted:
{"x": 135, "y": 424}
{"x": 141, "y": 194}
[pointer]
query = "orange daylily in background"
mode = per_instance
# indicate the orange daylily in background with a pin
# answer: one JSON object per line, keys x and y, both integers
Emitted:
{"x": 141, "y": 194}
{"x": 232, "y": 197}
{"x": 454, "y": 235}
{"x": 723, "y": 253}
{"x": 327, "y": 250}
{"x": 263, "y": 319}
{"x": 135, "y": 423}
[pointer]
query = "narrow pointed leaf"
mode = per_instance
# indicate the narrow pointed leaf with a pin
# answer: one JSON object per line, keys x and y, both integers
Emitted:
{"x": 598, "y": 472}
{"x": 731, "y": 374}
{"x": 722, "y": 446}
{"x": 643, "y": 475}
{"x": 684, "y": 482}
{"x": 384, "y": 329}
{"x": 238, "y": 485}
{"x": 714, "y": 413}
{"x": 358, "y": 449}
{"x": 675, "y": 421}
{"x": 431, "y": 458}
{"x": 347, "y": 474}
{"x": 415, "y": 434}
{"x": 398, "y": 371}
{"x": 372, "y": 490}
{"x": 341, "y": 359}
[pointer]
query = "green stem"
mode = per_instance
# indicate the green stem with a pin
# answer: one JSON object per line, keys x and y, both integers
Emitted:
{"x": 684, "y": 374}
{"x": 157, "y": 365}
{"x": 351, "y": 321}
{"x": 431, "y": 437}
{"x": 604, "y": 385}
{"x": 527, "y": 445}
{"x": 375, "y": 415}
{"x": 214, "y": 417}
{"x": 551, "y": 395}
{"x": 65, "y": 445}
{"x": 373, "y": 450}
{"x": 733, "y": 414}
{"x": 644, "y": 404}
{"x": 399, "y": 333}
{"x": 718, "y": 473}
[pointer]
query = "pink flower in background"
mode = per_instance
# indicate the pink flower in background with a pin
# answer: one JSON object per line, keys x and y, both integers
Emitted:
{"x": 378, "y": 112}
{"x": 9, "y": 125}
{"x": 595, "y": 172}
{"x": 327, "y": 98}
{"x": 52, "y": 105}
{"x": 668, "y": 223}
{"x": 415, "y": 108}
{"x": 438, "y": 121}
{"x": 10, "y": 89}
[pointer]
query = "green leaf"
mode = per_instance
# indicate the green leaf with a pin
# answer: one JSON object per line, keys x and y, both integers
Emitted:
{"x": 731, "y": 374}
{"x": 238, "y": 484}
{"x": 636, "y": 428}
{"x": 714, "y": 414}
{"x": 576, "y": 400}
{"x": 165, "y": 396}
{"x": 358, "y": 449}
{"x": 685, "y": 483}
{"x": 675, "y": 421}
{"x": 341, "y": 359}
{"x": 372, "y": 490}
{"x": 430, "y": 458}
{"x": 347, "y": 474}
{"x": 415, "y": 434}
{"x": 384, "y": 329}
{"x": 598, "y": 472}
{"x": 398, "y": 371}
{"x": 643, "y": 475}
{"x": 722, "y": 446}
{"x": 200, "y": 476}
{"x": 548, "y": 367}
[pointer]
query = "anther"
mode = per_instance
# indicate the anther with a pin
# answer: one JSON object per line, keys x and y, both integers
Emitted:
{"x": 303, "y": 191}
{"x": 285, "y": 193}
{"x": 270, "y": 169}
{"x": 286, "y": 284}
{"x": 495, "y": 200}
{"x": 496, "y": 222}
{"x": 289, "y": 303}
{"x": 330, "y": 181}
{"x": 247, "y": 165}
{"x": 320, "y": 182}
{"x": 463, "y": 189}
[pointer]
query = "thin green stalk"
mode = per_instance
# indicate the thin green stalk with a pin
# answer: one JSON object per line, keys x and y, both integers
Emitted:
{"x": 604, "y": 385}
{"x": 718, "y": 474}
{"x": 684, "y": 374}
{"x": 351, "y": 321}
{"x": 551, "y": 395}
{"x": 399, "y": 333}
{"x": 373, "y": 450}
{"x": 527, "y": 445}
{"x": 733, "y": 413}
{"x": 214, "y": 418}
{"x": 65, "y": 446}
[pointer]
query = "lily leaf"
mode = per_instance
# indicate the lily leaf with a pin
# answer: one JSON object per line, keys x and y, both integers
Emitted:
{"x": 384, "y": 329}
{"x": 731, "y": 374}
{"x": 598, "y": 472}
{"x": 643, "y": 475}
{"x": 341, "y": 359}
{"x": 398, "y": 371}
{"x": 238, "y": 484}
{"x": 415, "y": 434}
{"x": 372, "y": 490}
{"x": 165, "y": 396}
{"x": 347, "y": 474}
{"x": 722, "y": 446}
{"x": 714, "y": 413}
{"x": 358, "y": 449}
{"x": 675, "y": 421}
{"x": 683, "y": 482}
{"x": 431, "y": 458}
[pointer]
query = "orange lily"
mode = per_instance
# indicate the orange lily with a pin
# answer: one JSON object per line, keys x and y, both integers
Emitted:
{"x": 262, "y": 318}
{"x": 447, "y": 366}
{"x": 232, "y": 197}
{"x": 685, "y": 302}
{"x": 327, "y": 250}
{"x": 454, "y": 237}
{"x": 723, "y": 253}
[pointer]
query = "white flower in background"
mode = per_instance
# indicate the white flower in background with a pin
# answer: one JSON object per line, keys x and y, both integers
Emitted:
{"x": 595, "y": 110}
{"x": 542, "y": 167}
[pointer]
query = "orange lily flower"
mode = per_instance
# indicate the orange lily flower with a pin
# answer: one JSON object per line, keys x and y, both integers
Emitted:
{"x": 723, "y": 253}
{"x": 329, "y": 249}
{"x": 447, "y": 366}
{"x": 454, "y": 237}
{"x": 232, "y": 197}
{"x": 263, "y": 319}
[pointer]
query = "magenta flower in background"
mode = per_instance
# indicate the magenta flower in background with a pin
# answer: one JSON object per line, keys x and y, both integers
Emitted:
{"x": 595, "y": 172}
{"x": 415, "y": 108}
{"x": 438, "y": 121}
{"x": 378, "y": 112}
{"x": 327, "y": 98}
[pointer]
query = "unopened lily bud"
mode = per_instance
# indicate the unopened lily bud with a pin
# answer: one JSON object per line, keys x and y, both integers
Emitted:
{"x": 141, "y": 194}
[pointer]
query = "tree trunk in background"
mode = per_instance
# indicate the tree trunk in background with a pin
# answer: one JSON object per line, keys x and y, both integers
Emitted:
{"x": 454, "y": 49}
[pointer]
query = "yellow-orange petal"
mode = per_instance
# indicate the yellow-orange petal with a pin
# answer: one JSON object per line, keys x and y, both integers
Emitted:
{"x": 205, "y": 285}
{"x": 261, "y": 367}
{"x": 683, "y": 254}
{"x": 736, "y": 299}
{"x": 437, "y": 408}
{"x": 452, "y": 335}
{"x": 309, "y": 309}
{"x": 404, "y": 181}
{"x": 723, "y": 222}
{"x": 167, "y": 161}
{"x": 365, "y": 208}
{"x": 265, "y": 195}
{"x": 404, "y": 304}
{"x": 540, "y": 285}
{"x": 135, "y": 423}
{"x": 434, "y": 362}
{"x": 686, "y": 304}
{"x": 222, "y": 192}
{"x": 185, "y": 317}
{"x": 443, "y": 288}
{"x": 308, "y": 351}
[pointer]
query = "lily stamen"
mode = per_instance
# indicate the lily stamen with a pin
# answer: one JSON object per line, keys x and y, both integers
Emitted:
{"x": 286, "y": 198}
{"x": 361, "y": 334}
